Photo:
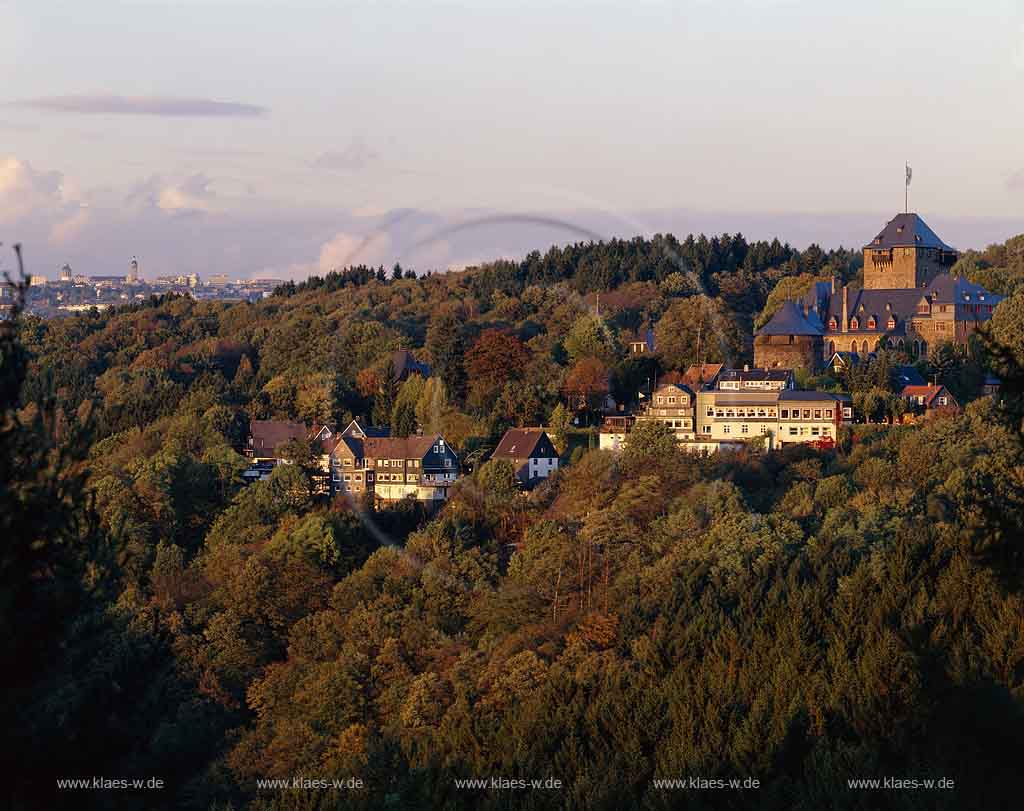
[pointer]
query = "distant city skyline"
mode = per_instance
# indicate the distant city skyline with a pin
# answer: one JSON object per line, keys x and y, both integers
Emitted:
{"x": 178, "y": 134}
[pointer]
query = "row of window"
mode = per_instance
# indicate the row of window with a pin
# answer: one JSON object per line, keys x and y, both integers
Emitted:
{"x": 672, "y": 399}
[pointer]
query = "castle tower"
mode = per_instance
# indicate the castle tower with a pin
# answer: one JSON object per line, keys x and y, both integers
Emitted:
{"x": 66, "y": 274}
{"x": 906, "y": 254}
{"x": 791, "y": 340}
{"x": 133, "y": 271}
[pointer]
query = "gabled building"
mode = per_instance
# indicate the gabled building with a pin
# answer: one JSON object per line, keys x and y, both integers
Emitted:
{"x": 405, "y": 364}
{"x": 266, "y": 436}
{"x": 782, "y": 417}
{"x": 672, "y": 404}
{"x": 531, "y": 452}
{"x": 640, "y": 342}
{"x": 389, "y": 469}
{"x": 931, "y": 399}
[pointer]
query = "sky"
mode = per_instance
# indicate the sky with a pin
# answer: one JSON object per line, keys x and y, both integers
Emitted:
{"x": 287, "y": 138}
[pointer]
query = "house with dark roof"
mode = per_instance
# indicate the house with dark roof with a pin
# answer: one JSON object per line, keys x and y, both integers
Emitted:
{"x": 931, "y": 399}
{"x": 405, "y": 364}
{"x": 531, "y": 452}
{"x": 390, "y": 469}
{"x": 641, "y": 341}
{"x": 266, "y": 436}
{"x": 756, "y": 379}
{"x": 906, "y": 376}
{"x": 790, "y": 340}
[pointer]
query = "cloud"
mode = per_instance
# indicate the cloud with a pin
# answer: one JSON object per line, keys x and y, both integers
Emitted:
{"x": 70, "y": 229}
{"x": 357, "y": 155}
{"x": 345, "y": 249}
{"x": 25, "y": 191}
{"x": 193, "y": 193}
{"x": 142, "y": 105}
{"x": 1015, "y": 182}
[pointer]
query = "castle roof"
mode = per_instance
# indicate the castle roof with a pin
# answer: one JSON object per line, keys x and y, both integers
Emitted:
{"x": 907, "y": 230}
{"x": 789, "y": 320}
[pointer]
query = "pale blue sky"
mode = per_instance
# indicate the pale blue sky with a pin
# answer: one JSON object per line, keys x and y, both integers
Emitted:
{"x": 627, "y": 116}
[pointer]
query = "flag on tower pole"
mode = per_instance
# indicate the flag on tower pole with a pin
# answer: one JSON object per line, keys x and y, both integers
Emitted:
{"x": 906, "y": 191}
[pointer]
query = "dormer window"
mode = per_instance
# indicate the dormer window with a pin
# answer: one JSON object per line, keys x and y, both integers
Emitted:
{"x": 891, "y": 323}
{"x": 832, "y": 324}
{"x": 872, "y": 323}
{"x": 922, "y": 308}
{"x": 854, "y": 323}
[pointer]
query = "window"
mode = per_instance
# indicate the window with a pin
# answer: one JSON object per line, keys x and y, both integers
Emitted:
{"x": 814, "y": 430}
{"x": 359, "y": 477}
{"x": 792, "y": 430}
{"x": 785, "y": 413}
{"x": 707, "y": 429}
{"x": 348, "y": 477}
{"x": 661, "y": 400}
{"x": 447, "y": 462}
{"x": 943, "y": 401}
{"x": 817, "y": 413}
{"x": 671, "y": 400}
{"x": 871, "y": 323}
{"x": 891, "y": 323}
{"x": 828, "y": 413}
{"x": 743, "y": 429}
{"x": 711, "y": 411}
{"x": 348, "y": 463}
{"x": 854, "y": 323}
{"x": 807, "y": 413}
{"x": 725, "y": 429}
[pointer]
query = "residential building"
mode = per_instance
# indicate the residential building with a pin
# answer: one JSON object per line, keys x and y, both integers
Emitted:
{"x": 931, "y": 399}
{"x": 755, "y": 379}
{"x": 782, "y": 417}
{"x": 405, "y": 364}
{"x": 672, "y": 404}
{"x": 640, "y": 342}
{"x": 266, "y": 436}
{"x": 531, "y": 452}
{"x": 991, "y": 385}
{"x": 389, "y": 469}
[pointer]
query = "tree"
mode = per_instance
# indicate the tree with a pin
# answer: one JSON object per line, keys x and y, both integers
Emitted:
{"x": 591, "y": 337}
{"x": 697, "y": 330}
{"x": 496, "y": 357}
{"x": 560, "y": 420}
{"x": 447, "y": 349}
{"x": 787, "y": 289}
{"x": 586, "y": 384}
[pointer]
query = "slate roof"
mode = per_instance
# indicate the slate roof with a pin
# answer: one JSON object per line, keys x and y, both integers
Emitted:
{"x": 730, "y": 375}
{"x": 519, "y": 443}
{"x": 405, "y": 364}
{"x": 356, "y": 428}
{"x": 789, "y": 320}
{"x": 907, "y": 376}
{"x": 808, "y": 396}
{"x": 904, "y": 231}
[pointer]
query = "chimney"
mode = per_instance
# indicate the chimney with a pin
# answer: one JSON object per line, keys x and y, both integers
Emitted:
{"x": 846, "y": 315}
{"x": 746, "y": 367}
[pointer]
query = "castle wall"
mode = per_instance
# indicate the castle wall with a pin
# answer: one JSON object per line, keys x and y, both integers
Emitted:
{"x": 901, "y": 268}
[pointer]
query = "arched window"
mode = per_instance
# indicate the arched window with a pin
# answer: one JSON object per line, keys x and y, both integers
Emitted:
{"x": 864, "y": 347}
{"x": 854, "y": 323}
{"x": 901, "y": 344}
{"x": 892, "y": 344}
{"x": 831, "y": 348}
{"x": 917, "y": 349}
{"x": 924, "y": 349}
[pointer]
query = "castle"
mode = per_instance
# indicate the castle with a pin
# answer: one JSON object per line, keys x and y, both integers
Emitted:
{"x": 909, "y": 302}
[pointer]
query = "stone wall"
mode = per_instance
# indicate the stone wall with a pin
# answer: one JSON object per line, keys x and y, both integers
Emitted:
{"x": 788, "y": 352}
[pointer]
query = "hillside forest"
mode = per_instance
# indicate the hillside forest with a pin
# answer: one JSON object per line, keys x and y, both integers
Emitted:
{"x": 802, "y": 617}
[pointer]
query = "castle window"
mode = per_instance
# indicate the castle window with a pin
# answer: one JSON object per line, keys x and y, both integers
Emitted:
{"x": 854, "y": 323}
{"x": 922, "y": 308}
{"x": 832, "y": 323}
{"x": 891, "y": 323}
{"x": 871, "y": 323}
